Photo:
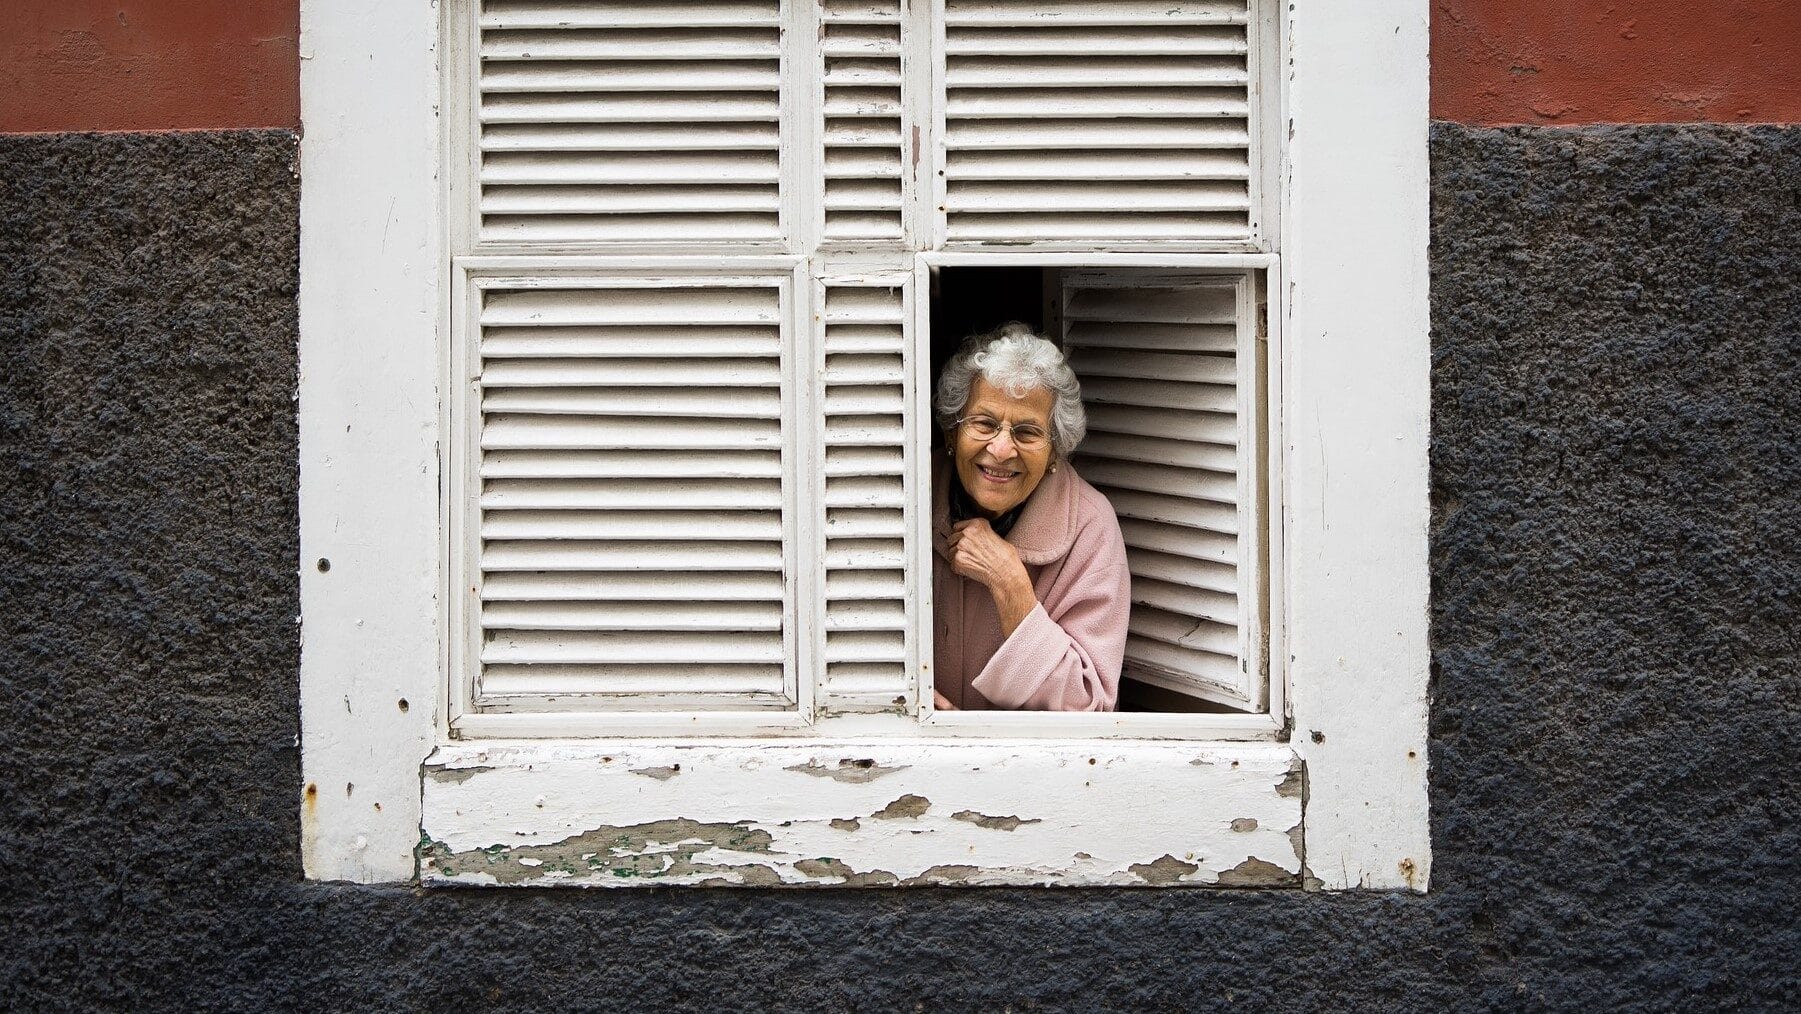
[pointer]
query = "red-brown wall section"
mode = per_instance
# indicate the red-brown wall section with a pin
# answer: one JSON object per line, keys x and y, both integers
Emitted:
{"x": 1636, "y": 61}
{"x": 196, "y": 64}
{"x": 149, "y": 64}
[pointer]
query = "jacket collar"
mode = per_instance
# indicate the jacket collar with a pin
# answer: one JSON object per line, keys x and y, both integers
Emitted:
{"x": 1047, "y": 524}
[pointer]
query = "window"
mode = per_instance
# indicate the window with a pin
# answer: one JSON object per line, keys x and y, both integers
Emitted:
{"x": 613, "y": 456}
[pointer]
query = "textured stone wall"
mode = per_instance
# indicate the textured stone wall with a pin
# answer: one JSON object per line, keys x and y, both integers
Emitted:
{"x": 1616, "y": 703}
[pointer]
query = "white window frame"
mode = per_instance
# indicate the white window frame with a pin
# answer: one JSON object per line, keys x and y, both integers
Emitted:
{"x": 1004, "y": 806}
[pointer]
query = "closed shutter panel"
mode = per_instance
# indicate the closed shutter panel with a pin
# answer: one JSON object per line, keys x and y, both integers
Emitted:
{"x": 868, "y": 624}
{"x": 1169, "y": 378}
{"x": 864, "y": 123}
{"x": 631, "y": 516}
{"x": 629, "y": 120}
{"x": 1096, "y": 120}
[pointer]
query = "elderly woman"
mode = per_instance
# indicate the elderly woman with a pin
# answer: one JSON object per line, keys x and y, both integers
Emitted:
{"x": 1029, "y": 577}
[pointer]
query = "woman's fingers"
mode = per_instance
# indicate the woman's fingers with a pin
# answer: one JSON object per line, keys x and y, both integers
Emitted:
{"x": 941, "y": 702}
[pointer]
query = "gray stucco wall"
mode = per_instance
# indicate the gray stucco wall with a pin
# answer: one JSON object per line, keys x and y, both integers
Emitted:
{"x": 1615, "y": 703}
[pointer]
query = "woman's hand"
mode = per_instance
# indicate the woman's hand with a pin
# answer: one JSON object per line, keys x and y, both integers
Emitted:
{"x": 979, "y": 554}
{"x": 941, "y": 702}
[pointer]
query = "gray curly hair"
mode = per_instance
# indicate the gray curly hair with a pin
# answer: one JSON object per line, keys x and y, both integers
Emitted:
{"x": 1014, "y": 359}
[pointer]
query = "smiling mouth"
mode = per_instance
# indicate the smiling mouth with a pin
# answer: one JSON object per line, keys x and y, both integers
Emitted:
{"x": 996, "y": 474}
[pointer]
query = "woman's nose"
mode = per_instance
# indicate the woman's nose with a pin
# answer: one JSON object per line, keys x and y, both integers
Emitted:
{"x": 1004, "y": 441}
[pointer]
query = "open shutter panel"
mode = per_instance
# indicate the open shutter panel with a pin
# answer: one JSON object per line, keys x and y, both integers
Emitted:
{"x": 864, "y": 125}
{"x": 630, "y": 120}
{"x": 632, "y": 515}
{"x": 1096, "y": 120}
{"x": 868, "y": 631}
{"x": 1168, "y": 370}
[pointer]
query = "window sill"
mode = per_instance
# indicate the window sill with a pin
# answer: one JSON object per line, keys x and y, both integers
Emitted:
{"x": 892, "y": 813}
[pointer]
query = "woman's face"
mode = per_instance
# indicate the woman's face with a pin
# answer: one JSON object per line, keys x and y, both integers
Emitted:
{"x": 998, "y": 474}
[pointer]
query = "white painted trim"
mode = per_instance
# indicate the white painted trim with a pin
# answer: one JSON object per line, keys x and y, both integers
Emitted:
{"x": 1350, "y": 397}
{"x": 908, "y": 812}
{"x": 371, "y": 298}
{"x": 1357, "y": 406}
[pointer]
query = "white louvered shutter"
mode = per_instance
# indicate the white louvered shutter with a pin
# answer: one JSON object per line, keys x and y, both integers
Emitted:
{"x": 631, "y": 512}
{"x": 869, "y": 635}
{"x": 864, "y": 124}
{"x": 647, "y": 121}
{"x": 1170, "y": 378}
{"x": 1096, "y": 121}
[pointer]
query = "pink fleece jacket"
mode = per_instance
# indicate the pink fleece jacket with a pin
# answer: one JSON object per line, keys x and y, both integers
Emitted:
{"x": 1066, "y": 654}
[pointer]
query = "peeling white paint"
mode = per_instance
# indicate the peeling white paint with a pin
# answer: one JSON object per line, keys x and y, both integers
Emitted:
{"x": 963, "y": 813}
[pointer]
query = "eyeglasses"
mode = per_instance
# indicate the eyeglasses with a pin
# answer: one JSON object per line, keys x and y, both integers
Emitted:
{"x": 1026, "y": 436}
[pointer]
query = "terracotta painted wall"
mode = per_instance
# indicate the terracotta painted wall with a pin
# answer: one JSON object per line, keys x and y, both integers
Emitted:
{"x": 196, "y": 64}
{"x": 1566, "y": 62}
{"x": 148, "y": 64}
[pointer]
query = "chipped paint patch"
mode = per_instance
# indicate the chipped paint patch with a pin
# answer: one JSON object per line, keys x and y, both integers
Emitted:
{"x": 661, "y": 773}
{"x": 993, "y": 823}
{"x": 1166, "y": 870}
{"x": 1244, "y": 824}
{"x": 1255, "y": 872}
{"x": 855, "y": 770}
{"x": 845, "y": 823}
{"x": 905, "y": 807}
{"x": 455, "y": 776}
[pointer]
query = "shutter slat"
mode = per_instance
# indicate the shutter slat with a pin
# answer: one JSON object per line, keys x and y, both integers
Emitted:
{"x": 632, "y": 494}
{"x": 862, "y": 399}
{"x": 992, "y": 198}
{"x": 1161, "y": 394}
{"x": 672, "y": 305}
{"x": 721, "y": 43}
{"x": 637, "y": 341}
{"x": 1154, "y": 304}
{"x": 866, "y": 614}
{"x": 1175, "y": 540}
{"x": 629, "y": 586}
{"x": 1187, "y": 665}
{"x": 718, "y": 13}
{"x": 738, "y": 403}
{"x": 1097, "y": 165}
{"x": 862, "y": 369}
{"x": 864, "y": 523}
{"x": 698, "y": 107}
{"x": 1169, "y": 480}
{"x": 608, "y": 646}
{"x": 576, "y": 428}
{"x": 865, "y": 584}
{"x": 545, "y": 459}
{"x": 622, "y": 616}
{"x": 1222, "y": 337}
{"x": 626, "y": 200}
{"x": 621, "y": 372}
{"x": 1190, "y": 633}
{"x": 1194, "y": 369}
{"x": 1094, "y": 12}
{"x": 1216, "y": 606}
{"x": 1208, "y": 427}
{"x": 1054, "y": 103}
{"x": 1049, "y": 135}
{"x": 865, "y": 491}
{"x": 639, "y": 76}
{"x": 865, "y": 646}
{"x": 596, "y": 525}
{"x": 667, "y": 557}
{"x": 549, "y": 229}
{"x": 1096, "y": 41}
{"x": 1072, "y": 225}
{"x": 1175, "y": 510}
{"x": 632, "y": 168}
{"x": 1085, "y": 72}
{"x": 504, "y": 681}
{"x": 648, "y": 139}
{"x": 864, "y": 461}
{"x": 864, "y": 430}
{"x": 1155, "y": 450}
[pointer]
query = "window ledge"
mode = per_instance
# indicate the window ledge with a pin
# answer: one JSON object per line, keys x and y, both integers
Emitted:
{"x": 893, "y": 813}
